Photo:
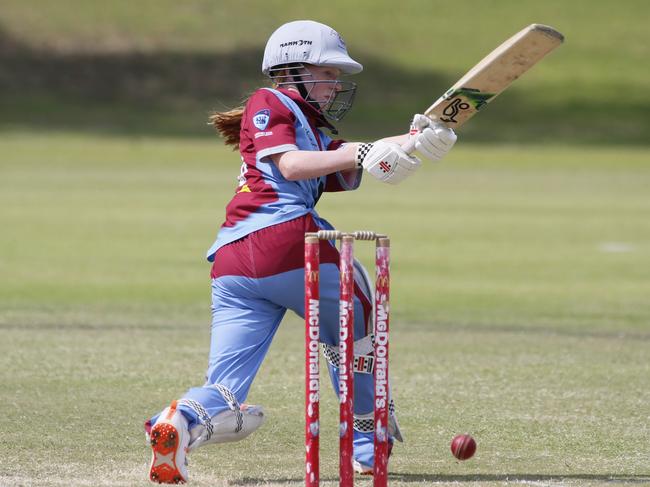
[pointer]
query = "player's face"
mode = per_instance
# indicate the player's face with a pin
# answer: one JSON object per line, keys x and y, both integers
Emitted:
{"x": 327, "y": 82}
{"x": 322, "y": 88}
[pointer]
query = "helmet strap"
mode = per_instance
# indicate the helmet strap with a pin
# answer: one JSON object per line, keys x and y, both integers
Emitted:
{"x": 302, "y": 90}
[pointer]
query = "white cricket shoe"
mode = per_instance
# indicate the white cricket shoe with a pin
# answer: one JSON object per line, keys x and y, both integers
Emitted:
{"x": 364, "y": 453}
{"x": 169, "y": 438}
{"x": 361, "y": 468}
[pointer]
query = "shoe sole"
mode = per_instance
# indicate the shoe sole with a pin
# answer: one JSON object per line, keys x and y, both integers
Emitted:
{"x": 164, "y": 445}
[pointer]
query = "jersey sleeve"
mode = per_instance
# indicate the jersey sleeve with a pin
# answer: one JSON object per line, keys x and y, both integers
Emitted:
{"x": 269, "y": 124}
{"x": 342, "y": 180}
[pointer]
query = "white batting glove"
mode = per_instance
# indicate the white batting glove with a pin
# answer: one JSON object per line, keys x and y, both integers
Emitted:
{"x": 420, "y": 122}
{"x": 386, "y": 161}
{"x": 432, "y": 139}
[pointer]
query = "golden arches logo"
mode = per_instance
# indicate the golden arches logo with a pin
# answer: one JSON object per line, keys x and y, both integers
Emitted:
{"x": 311, "y": 276}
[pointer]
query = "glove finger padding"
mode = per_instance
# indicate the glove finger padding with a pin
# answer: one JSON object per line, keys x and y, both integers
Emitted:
{"x": 402, "y": 171}
{"x": 387, "y": 161}
{"x": 425, "y": 146}
{"x": 446, "y": 135}
{"x": 434, "y": 142}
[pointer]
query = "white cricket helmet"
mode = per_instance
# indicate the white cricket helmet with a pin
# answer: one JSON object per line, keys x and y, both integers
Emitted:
{"x": 308, "y": 42}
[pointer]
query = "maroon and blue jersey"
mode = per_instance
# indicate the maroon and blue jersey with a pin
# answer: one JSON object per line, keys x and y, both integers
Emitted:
{"x": 273, "y": 122}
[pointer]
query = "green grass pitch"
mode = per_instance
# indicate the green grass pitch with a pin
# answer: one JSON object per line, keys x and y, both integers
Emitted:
{"x": 520, "y": 314}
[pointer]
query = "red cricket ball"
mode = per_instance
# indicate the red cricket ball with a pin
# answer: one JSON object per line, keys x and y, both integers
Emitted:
{"x": 463, "y": 447}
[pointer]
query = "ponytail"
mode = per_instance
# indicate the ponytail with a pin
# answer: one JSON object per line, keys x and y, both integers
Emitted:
{"x": 228, "y": 125}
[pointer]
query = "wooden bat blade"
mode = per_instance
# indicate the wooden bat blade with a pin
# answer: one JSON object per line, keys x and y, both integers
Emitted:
{"x": 494, "y": 73}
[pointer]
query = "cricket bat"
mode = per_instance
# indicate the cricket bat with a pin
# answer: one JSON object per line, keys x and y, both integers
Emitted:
{"x": 493, "y": 74}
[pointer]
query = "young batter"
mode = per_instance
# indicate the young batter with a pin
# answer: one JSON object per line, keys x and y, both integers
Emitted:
{"x": 258, "y": 257}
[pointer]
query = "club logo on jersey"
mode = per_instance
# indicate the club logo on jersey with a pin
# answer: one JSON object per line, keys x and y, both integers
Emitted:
{"x": 261, "y": 119}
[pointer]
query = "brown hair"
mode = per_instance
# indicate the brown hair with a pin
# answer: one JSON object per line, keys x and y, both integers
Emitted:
{"x": 228, "y": 125}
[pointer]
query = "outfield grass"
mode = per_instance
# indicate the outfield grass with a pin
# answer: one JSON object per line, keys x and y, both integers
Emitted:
{"x": 520, "y": 313}
{"x": 159, "y": 66}
{"x": 419, "y": 35}
{"x": 555, "y": 236}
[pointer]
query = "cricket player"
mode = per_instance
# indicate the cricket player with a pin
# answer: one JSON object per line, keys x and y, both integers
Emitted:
{"x": 288, "y": 162}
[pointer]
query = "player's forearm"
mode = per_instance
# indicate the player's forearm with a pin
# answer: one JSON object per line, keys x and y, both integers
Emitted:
{"x": 397, "y": 139}
{"x": 297, "y": 165}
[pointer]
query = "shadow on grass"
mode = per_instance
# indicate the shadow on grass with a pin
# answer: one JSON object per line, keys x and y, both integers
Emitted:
{"x": 625, "y": 479}
{"x": 172, "y": 93}
{"x": 438, "y": 478}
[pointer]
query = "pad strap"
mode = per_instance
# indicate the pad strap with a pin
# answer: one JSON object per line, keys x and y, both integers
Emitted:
{"x": 233, "y": 405}
{"x": 365, "y": 423}
{"x": 201, "y": 413}
{"x": 204, "y": 417}
{"x": 363, "y": 364}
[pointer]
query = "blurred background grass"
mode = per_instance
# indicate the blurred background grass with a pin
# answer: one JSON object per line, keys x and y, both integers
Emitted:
{"x": 159, "y": 67}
